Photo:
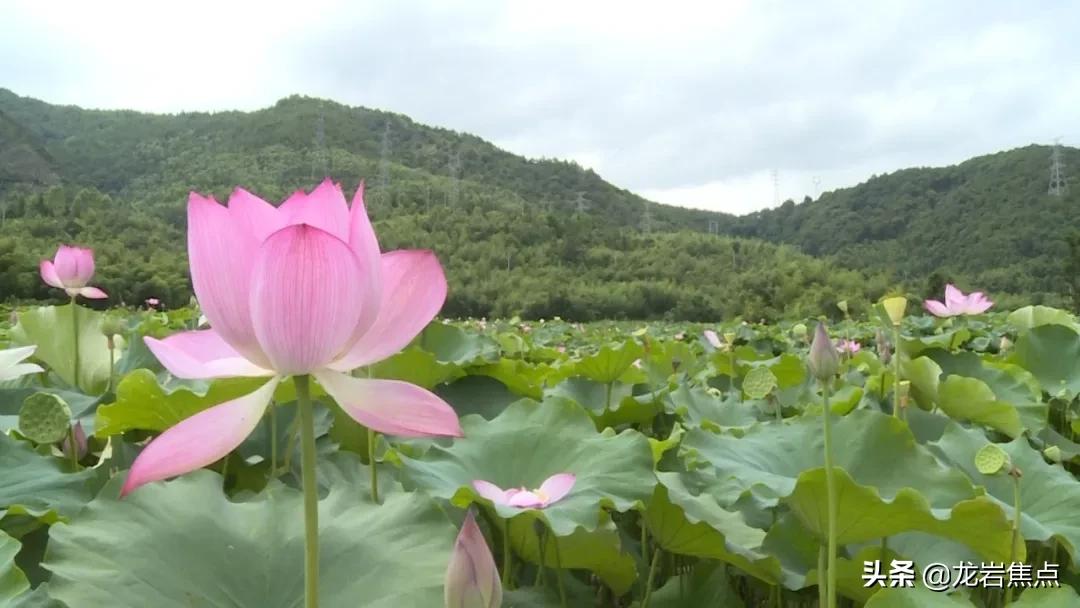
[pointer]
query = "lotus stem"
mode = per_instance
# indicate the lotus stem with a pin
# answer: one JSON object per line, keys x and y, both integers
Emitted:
{"x": 273, "y": 439}
{"x": 75, "y": 342}
{"x": 73, "y": 448}
{"x": 1015, "y": 474}
{"x": 112, "y": 365}
{"x": 311, "y": 498}
{"x": 830, "y": 489}
{"x": 506, "y": 554}
{"x": 822, "y": 574}
{"x": 896, "y": 370}
{"x": 558, "y": 570}
{"x": 371, "y": 435}
{"x": 652, "y": 577}
{"x": 607, "y": 397}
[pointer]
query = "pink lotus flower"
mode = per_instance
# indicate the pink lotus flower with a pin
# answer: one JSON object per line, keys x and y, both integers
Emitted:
{"x": 294, "y": 290}
{"x": 472, "y": 580}
{"x": 713, "y": 339}
{"x": 848, "y": 346}
{"x": 153, "y": 302}
{"x": 71, "y": 269}
{"x": 553, "y": 489}
{"x": 956, "y": 303}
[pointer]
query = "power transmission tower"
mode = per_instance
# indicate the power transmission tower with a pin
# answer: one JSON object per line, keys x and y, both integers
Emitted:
{"x": 581, "y": 204}
{"x": 776, "y": 186}
{"x": 454, "y": 170}
{"x": 646, "y": 218}
{"x": 714, "y": 227}
{"x": 817, "y": 187}
{"x": 1058, "y": 185}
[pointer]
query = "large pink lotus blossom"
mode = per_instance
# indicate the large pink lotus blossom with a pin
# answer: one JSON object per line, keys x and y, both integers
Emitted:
{"x": 553, "y": 489}
{"x": 956, "y": 303}
{"x": 71, "y": 269}
{"x": 472, "y": 580}
{"x": 298, "y": 289}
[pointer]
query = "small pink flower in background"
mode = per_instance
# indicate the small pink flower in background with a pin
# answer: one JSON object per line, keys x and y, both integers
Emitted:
{"x": 956, "y": 303}
{"x": 472, "y": 579}
{"x": 293, "y": 290}
{"x": 553, "y": 489}
{"x": 713, "y": 339}
{"x": 153, "y": 302}
{"x": 848, "y": 346}
{"x": 560, "y": 348}
{"x": 71, "y": 269}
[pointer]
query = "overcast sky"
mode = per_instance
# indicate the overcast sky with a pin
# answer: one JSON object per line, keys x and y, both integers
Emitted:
{"x": 688, "y": 103}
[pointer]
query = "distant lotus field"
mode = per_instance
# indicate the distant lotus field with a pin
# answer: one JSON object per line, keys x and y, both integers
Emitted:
{"x": 310, "y": 433}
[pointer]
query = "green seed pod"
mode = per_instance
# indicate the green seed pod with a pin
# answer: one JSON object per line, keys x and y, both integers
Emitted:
{"x": 44, "y": 418}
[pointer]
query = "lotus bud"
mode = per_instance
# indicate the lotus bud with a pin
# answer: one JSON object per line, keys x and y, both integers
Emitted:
{"x": 823, "y": 361}
{"x": 80, "y": 442}
{"x": 799, "y": 331}
{"x": 895, "y": 308}
{"x": 472, "y": 580}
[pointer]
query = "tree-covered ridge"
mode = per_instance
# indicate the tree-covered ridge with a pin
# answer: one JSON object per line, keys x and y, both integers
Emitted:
{"x": 532, "y": 238}
{"x": 987, "y": 222}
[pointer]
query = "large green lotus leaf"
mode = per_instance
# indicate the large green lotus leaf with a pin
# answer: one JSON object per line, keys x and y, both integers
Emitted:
{"x": 925, "y": 376}
{"x": 1049, "y": 495}
{"x": 887, "y": 483}
{"x": 1068, "y": 450}
{"x": 612, "y": 363}
{"x": 1049, "y": 597}
{"x": 452, "y": 344}
{"x": 42, "y": 486}
{"x": 38, "y": 598}
{"x": 1030, "y": 317}
{"x": 521, "y": 377}
{"x": 481, "y": 395}
{"x": 599, "y": 551}
{"x": 923, "y": 548}
{"x": 1011, "y": 384}
{"x": 696, "y": 406}
{"x": 916, "y": 597}
{"x": 708, "y": 585}
{"x": 418, "y": 367}
{"x": 141, "y": 403}
{"x": 12, "y": 580}
{"x": 183, "y": 544}
{"x": 664, "y": 359}
{"x": 948, "y": 340}
{"x": 527, "y": 443}
{"x": 52, "y": 329}
{"x": 1052, "y": 354}
{"x": 611, "y": 404}
{"x": 967, "y": 399}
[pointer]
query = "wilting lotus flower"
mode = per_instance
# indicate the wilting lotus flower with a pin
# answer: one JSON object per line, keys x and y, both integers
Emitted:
{"x": 848, "y": 346}
{"x": 553, "y": 489}
{"x": 712, "y": 338}
{"x": 823, "y": 359}
{"x": 956, "y": 303}
{"x": 295, "y": 290}
{"x": 71, "y": 269}
{"x": 11, "y": 365}
{"x": 472, "y": 580}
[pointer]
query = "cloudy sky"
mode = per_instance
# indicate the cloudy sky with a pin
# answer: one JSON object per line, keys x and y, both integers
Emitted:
{"x": 715, "y": 104}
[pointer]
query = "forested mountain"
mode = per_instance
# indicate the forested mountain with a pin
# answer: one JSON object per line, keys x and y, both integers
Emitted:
{"x": 517, "y": 236}
{"x": 988, "y": 222}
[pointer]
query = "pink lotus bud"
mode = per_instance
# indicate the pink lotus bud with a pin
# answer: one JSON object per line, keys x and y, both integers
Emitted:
{"x": 71, "y": 269}
{"x": 823, "y": 361}
{"x": 80, "y": 442}
{"x": 472, "y": 580}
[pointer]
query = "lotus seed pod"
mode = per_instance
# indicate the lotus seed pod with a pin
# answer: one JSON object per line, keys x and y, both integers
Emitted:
{"x": 895, "y": 308}
{"x": 759, "y": 382}
{"x": 44, "y": 418}
{"x": 729, "y": 339}
{"x": 823, "y": 360}
{"x": 991, "y": 459}
{"x": 799, "y": 331}
{"x": 112, "y": 326}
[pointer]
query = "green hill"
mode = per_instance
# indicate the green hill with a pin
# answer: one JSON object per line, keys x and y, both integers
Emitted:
{"x": 517, "y": 236}
{"x": 987, "y": 223}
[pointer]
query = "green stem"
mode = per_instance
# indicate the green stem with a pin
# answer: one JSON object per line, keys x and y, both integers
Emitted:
{"x": 507, "y": 557}
{"x": 290, "y": 445}
{"x": 607, "y": 397}
{"x": 652, "y": 577}
{"x": 112, "y": 365}
{"x": 822, "y": 573}
{"x": 896, "y": 370}
{"x": 311, "y": 498}
{"x": 884, "y": 551}
{"x": 779, "y": 410}
{"x": 75, "y": 331}
{"x": 558, "y": 570}
{"x": 1015, "y": 533}
{"x": 830, "y": 488}
{"x": 273, "y": 439}
{"x": 371, "y": 463}
{"x": 734, "y": 373}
